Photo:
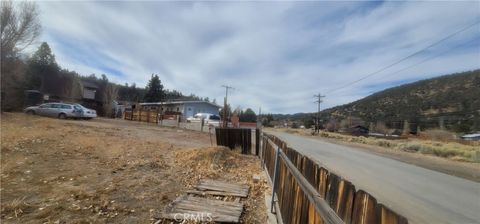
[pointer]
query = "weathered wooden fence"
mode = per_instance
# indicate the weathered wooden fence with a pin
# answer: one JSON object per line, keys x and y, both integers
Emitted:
{"x": 151, "y": 116}
{"x": 232, "y": 137}
{"x": 297, "y": 204}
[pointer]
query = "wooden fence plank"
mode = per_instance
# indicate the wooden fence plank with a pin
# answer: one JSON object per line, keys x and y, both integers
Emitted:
{"x": 340, "y": 194}
{"x": 364, "y": 208}
{"x": 387, "y": 216}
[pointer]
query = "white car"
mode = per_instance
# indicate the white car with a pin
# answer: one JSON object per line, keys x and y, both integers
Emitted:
{"x": 87, "y": 113}
{"x": 209, "y": 119}
{"x": 60, "y": 110}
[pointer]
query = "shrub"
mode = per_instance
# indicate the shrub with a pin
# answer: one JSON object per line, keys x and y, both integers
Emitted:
{"x": 439, "y": 135}
{"x": 410, "y": 147}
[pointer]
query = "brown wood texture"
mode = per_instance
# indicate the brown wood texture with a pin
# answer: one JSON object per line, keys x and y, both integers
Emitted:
{"x": 219, "y": 211}
{"x": 223, "y": 188}
{"x": 341, "y": 196}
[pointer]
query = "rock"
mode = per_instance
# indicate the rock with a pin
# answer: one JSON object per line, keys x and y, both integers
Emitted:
{"x": 256, "y": 178}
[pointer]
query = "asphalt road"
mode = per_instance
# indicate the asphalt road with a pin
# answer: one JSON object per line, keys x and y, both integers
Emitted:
{"x": 419, "y": 194}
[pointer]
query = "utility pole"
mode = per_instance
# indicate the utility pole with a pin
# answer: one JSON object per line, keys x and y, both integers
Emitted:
{"x": 225, "y": 122}
{"x": 259, "y": 119}
{"x": 317, "y": 121}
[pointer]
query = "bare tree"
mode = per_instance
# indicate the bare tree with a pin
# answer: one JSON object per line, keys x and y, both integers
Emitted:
{"x": 381, "y": 127}
{"x": 406, "y": 128}
{"x": 20, "y": 26}
{"x": 110, "y": 94}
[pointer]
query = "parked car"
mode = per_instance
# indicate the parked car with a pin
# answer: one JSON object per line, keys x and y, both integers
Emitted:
{"x": 213, "y": 120}
{"x": 87, "y": 113}
{"x": 209, "y": 119}
{"x": 197, "y": 117}
{"x": 61, "y": 110}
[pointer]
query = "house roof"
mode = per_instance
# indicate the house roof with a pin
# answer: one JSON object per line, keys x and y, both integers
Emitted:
{"x": 180, "y": 102}
{"x": 89, "y": 84}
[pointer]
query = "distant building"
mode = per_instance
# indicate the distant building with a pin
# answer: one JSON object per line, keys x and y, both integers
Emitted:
{"x": 89, "y": 89}
{"x": 358, "y": 130}
{"x": 184, "y": 108}
{"x": 471, "y": 137}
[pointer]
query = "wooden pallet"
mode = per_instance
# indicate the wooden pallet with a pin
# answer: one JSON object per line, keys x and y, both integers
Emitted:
{"x": 204, "y": 210}
{"x": 220, "y": 188}
{"x": 196, "y": 207}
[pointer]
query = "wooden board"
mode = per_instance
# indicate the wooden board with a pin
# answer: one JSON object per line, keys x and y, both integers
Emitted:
{"x": 190, "y": 207}
{"x": 214, "y": 187}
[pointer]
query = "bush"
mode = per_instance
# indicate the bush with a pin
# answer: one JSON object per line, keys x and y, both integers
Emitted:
{"x": 439, "y": 135}
{"x": 450, "y": 150}
{"x": 411, "y": 147}
{"x": 385, "y": 143}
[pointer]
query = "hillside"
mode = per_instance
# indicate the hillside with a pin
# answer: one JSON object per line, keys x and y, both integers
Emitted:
{"x": 450, "y": 100}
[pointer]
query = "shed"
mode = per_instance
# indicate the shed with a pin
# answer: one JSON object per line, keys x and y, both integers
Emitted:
{"x": 89, "y": 89}
{"x": 358, "y": 130}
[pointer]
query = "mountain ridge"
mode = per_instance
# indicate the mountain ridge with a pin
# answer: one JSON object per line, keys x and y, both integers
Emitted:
{"x": 451, "y": 101}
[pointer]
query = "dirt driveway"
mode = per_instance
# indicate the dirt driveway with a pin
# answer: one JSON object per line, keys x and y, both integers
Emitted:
{"x": 109, "y": 171}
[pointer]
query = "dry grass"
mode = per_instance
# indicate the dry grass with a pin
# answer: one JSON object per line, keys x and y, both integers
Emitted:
{"x": 231, "y": 166}
{"x": 103, "y": 171}
{"x": 438, "y": 135}
{"x": 16, "y": 206}
{"x": 451, "y": 150}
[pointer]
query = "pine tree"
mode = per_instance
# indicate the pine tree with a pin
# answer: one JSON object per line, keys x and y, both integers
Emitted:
{"x": 248, "y": 116}
{"x": 41, "y": 66}
{"x": 155, "y": 92}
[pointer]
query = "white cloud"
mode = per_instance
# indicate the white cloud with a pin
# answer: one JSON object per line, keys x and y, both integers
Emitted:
{"x": 276, "y": 54}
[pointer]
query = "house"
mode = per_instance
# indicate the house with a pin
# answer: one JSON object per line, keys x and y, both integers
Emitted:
{"x": 471, "y": 137}
{"x": 184, "y": 108}
{"x": 358, "y": 130}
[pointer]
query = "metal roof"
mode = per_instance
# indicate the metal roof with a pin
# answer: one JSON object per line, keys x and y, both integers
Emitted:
{"x": 471, "y": 135}
{"x": 179, "y": 102}
{"x": 89, "y": 84}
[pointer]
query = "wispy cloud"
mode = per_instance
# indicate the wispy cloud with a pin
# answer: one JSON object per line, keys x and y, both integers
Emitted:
{"x": 276, "y": 54}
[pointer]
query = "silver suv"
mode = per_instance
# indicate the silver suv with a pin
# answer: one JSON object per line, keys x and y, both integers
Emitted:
{"x": 60, "y": 110}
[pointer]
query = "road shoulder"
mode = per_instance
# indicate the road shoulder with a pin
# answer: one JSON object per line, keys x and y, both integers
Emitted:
{"x": 466, "y": 170}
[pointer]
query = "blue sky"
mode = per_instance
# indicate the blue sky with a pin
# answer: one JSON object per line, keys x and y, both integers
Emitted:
{"x": 277, "y": 55}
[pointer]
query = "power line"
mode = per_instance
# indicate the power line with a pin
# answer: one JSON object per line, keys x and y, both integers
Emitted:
{"x": 423, "y": 61}
{"x": 405, "y": 58}
{"x": 429, "y": 58}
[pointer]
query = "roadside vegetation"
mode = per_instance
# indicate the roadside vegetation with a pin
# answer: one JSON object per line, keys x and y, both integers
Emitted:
{"x": 428, "y": 145}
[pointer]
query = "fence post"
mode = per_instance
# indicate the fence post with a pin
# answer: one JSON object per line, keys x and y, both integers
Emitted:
{"x": 257, "y": 141}
{"x": 275, "y": 176}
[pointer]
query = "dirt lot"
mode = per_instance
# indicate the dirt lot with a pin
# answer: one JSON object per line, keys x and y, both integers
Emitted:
{"x": 109, "y": 171}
